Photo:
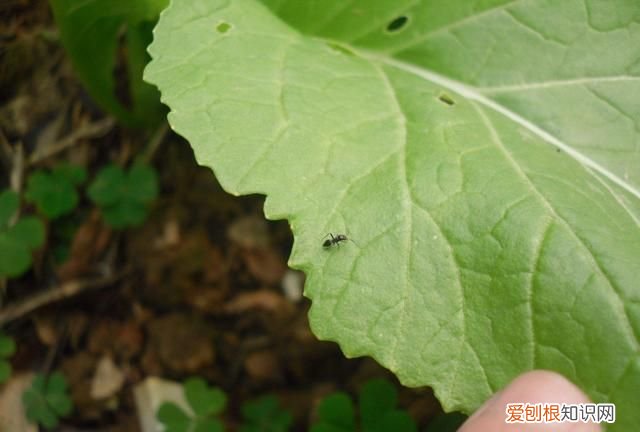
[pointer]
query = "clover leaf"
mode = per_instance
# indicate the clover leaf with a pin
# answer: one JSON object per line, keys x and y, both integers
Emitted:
{"x": 264, "y": 415}
{"x": 18, "y": 240}
{"x": 124, "y": 196}
{"x": 7, "y": 348}
{"x": 336, "y": 414}
{"x": 54, "y": 193}
{"x": 378, "y": 399}
{"x": 205, "y": 402}
{"x": 47, "y": 400}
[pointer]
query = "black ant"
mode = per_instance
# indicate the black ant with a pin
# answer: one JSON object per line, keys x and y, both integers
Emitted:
{"x": 334, "y": 240}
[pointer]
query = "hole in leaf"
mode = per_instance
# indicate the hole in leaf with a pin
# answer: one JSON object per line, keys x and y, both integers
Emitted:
{"x": 340, "y": 48}
{"x": 445, "y": 98}
{"x": 397, "y": 23}
{"x": 223, "y": 27}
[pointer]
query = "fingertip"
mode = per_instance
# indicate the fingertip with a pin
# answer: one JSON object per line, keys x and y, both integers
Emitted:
{"x": 535, "y": 387}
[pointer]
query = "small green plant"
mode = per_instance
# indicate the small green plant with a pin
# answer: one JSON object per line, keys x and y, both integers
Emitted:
{"x": 54, "y": 192}
{"x": 448, "y": 422}
{"x": 19, "y": 239}
{"x": 7, "y": 348}
{"x": 110, "y": 50}
{"x": 123, "y": 196}
{"x": 47, "y": 400}
{"x": 264, "y": 415}
{"x": 205, "y": 402}
{"x": 378, "y": 412}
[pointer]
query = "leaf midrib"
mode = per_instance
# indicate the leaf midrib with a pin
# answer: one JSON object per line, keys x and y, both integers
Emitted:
{"x": 555, "y": 83}
{"x": 472, "y": 93}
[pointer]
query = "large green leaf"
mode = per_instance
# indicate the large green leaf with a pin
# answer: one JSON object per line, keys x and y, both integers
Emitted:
{"x": 483, "y": 156}
{"x": 91, "y": 31}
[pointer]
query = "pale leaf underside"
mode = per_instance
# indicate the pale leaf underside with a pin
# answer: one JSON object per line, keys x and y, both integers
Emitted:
{"x": 485, "y": 163}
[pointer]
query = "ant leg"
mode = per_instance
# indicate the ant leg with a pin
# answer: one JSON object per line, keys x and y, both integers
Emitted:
{"x": 333, "y": 238}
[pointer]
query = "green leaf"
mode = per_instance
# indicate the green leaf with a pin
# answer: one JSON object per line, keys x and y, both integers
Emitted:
{"x": 206, "y": 402}
{"x": 173, "y": 417}
{"x": 56, "y": 383}
{"x": 260, "y": 408}
{"x": 203, "y": 400}
{"x": 124, "y": 214}
{"x": 60, "y": 404}
{"x": 47, "y": 400}
{"x": 124, "y": 196}
{"x": 9, "y": 202}
{"x": 7, "y": 346}
{"x": 394, "y": 420}
{"x": 482, "y": 157}
{"x": 54, "y": 195}
{"x": 29, "y": 231}
{"x": 208, "y": 425}
{"x": 15, "y": 257}
{"x": 16, "y": 244}
{"x": 336, "y": 413}
{"x": 107, "y": 187}
{"x": 377, "y": 398}
{"x": 325, "y": 427}
{"x": 143, "y": 183}
{"x": 74, "y": 174}
{"x": 449, "y": 422}
{"x": 264, "y": 415}
{"x": 7, "y": 349}
{"x": 90, "y": 32}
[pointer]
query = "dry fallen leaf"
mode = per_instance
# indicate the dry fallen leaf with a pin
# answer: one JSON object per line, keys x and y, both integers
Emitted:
{"x": 12, "y": 416}
{"x": 266, "y": 265}
{"x": 263, "y": 366}
{"x": 263, "y": 299}
{"x": 107, "y": 380}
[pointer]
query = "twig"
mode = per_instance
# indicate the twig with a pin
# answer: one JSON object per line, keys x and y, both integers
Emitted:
{"x": 3, "y": 289}
{"x": 53, "y": 294}
{"x": 17, "y": 168}
{"x": 156, "y": 140}
{"x": 91, "y": 130}
{"x": 7, "y": 151}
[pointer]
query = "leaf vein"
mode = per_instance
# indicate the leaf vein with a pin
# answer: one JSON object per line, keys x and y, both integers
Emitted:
{"x": 551, "y": 209}
{"x": 447, "y": 28}
{"x": 556, "y": 83}
{"x": 473, "y": 95}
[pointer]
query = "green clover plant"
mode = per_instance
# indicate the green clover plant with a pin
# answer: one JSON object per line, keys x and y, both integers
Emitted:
{"x": 205, "y": 402}
{"x": 47, "y": 400}
{"x": 7, "y": 349}
{"x": 378, "y": 412}
{"x": 124, "y": 195}
{"x": 496, "y": 226}
{"x": 265, "y": 415}
{"x": 17, "y": 241}
{"x": 54, "y": 192}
